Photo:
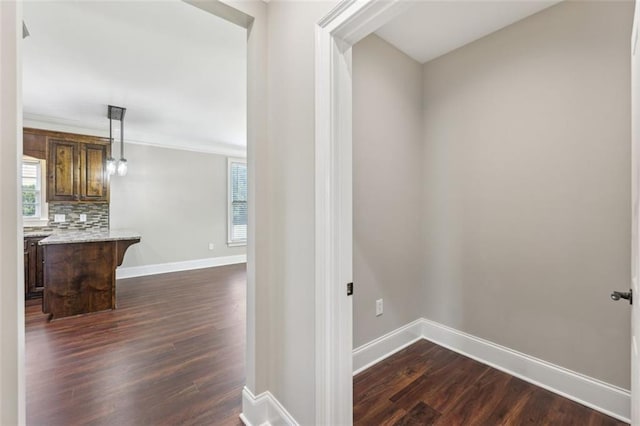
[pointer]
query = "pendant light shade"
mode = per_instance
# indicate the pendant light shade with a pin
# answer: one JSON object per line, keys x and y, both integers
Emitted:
{"x": 122, "y": 167}
{"x": 117, "y": 113}
{"x": 111, "y": 166}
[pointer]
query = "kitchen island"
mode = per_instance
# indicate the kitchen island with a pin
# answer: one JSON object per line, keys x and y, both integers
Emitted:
{"x": 80, "y": 270}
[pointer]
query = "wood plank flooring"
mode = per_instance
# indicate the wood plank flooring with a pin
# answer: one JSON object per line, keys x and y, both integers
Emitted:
{"x": 425, "y": 384}
{"x": 172, "y": 353}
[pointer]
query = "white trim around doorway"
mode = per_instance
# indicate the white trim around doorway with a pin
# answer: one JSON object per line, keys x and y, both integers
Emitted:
{"x": 342, "y": 27}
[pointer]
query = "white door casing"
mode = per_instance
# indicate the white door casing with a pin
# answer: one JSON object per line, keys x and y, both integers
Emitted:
{"x": 635, "y": 241}
{"x": 340, "y": 29}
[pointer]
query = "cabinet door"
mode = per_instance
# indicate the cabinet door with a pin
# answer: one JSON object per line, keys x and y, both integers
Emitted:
{"x": 32, "y": 246}
{"x": 64, "y": 171}
{"x": 94, "y": 179}
{"x": 26, "y": 273}
{"x": 38, "y": 285}
{"x": 33, "y": 278}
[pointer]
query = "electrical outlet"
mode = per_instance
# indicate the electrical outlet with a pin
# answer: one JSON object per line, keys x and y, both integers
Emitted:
{"x": 59, "y": 218}
{"x": 379, "y": 307}
{"x": 211, "y": 246}
{"x": 83, "y": 217}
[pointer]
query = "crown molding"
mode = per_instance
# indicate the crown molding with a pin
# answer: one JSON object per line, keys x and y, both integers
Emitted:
{"x": 44, "y": 122}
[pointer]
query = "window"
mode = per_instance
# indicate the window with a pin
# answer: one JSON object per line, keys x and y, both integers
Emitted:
{"x": 34, "y": 207}
{"x": 237, "y": 202}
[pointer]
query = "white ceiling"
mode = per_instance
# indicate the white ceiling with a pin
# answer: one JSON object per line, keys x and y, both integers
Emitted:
{"x": 179, "y": 71}
{"x": 428, "y": 29}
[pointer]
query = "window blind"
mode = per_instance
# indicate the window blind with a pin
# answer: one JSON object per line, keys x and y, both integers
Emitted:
{"x": 238, "y": 231}
{"x": 31, "y": 188}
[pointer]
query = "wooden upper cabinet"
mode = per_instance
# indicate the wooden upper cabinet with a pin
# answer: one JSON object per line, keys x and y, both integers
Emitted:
{"x": 34, "y": 144}
{"x": 94, "y": 182}
{"x": 76, "y": 164}
{"x": 64, "y": 171}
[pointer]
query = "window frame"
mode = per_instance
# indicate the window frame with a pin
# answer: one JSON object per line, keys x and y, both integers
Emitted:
{"x": 230, "y": 241}
{"x": 43, "y": 218}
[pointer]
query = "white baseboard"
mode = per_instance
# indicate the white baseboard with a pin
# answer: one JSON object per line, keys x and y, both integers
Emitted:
{"x": 593, "y": 393}
{"x": 375, "y": 351}
{"x": 163, "y": 268}
{"x": 264, "y": 410}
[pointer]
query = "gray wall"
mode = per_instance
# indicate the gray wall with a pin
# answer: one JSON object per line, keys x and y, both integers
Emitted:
{"x": 12, "y": 377}
{"x": 177, "y": 200}
{"x": 387, "y": 188}
{"x": 291, "y": 158}
{"x": 527, "y": 187}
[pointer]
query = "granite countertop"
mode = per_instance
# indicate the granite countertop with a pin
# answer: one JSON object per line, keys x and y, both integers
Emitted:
{"x": 89, "y": 236}
{"x": 30, "y": 234}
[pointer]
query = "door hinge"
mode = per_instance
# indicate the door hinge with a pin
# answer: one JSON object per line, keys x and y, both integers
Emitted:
{"x": 349, "y": 289}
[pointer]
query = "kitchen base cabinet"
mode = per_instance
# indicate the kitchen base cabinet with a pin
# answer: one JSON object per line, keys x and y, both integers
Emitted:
{"x": 33, "y": 272}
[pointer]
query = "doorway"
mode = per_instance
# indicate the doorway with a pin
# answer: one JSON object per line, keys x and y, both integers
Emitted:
{"x": 13, "y": 384}
{"x": 335, "y": 129}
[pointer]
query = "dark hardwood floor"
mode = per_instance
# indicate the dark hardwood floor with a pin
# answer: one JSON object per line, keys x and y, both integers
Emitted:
{"x": 425, "y": 384}
{"x": 172, "y": 353}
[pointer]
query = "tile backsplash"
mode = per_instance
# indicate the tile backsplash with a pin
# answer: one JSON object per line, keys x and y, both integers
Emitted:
{"x": 97, "y": 217}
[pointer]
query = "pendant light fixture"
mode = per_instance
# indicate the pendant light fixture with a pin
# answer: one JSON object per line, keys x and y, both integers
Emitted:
{"x": 111, "y": 162}
{"x": 117, "y": 113}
